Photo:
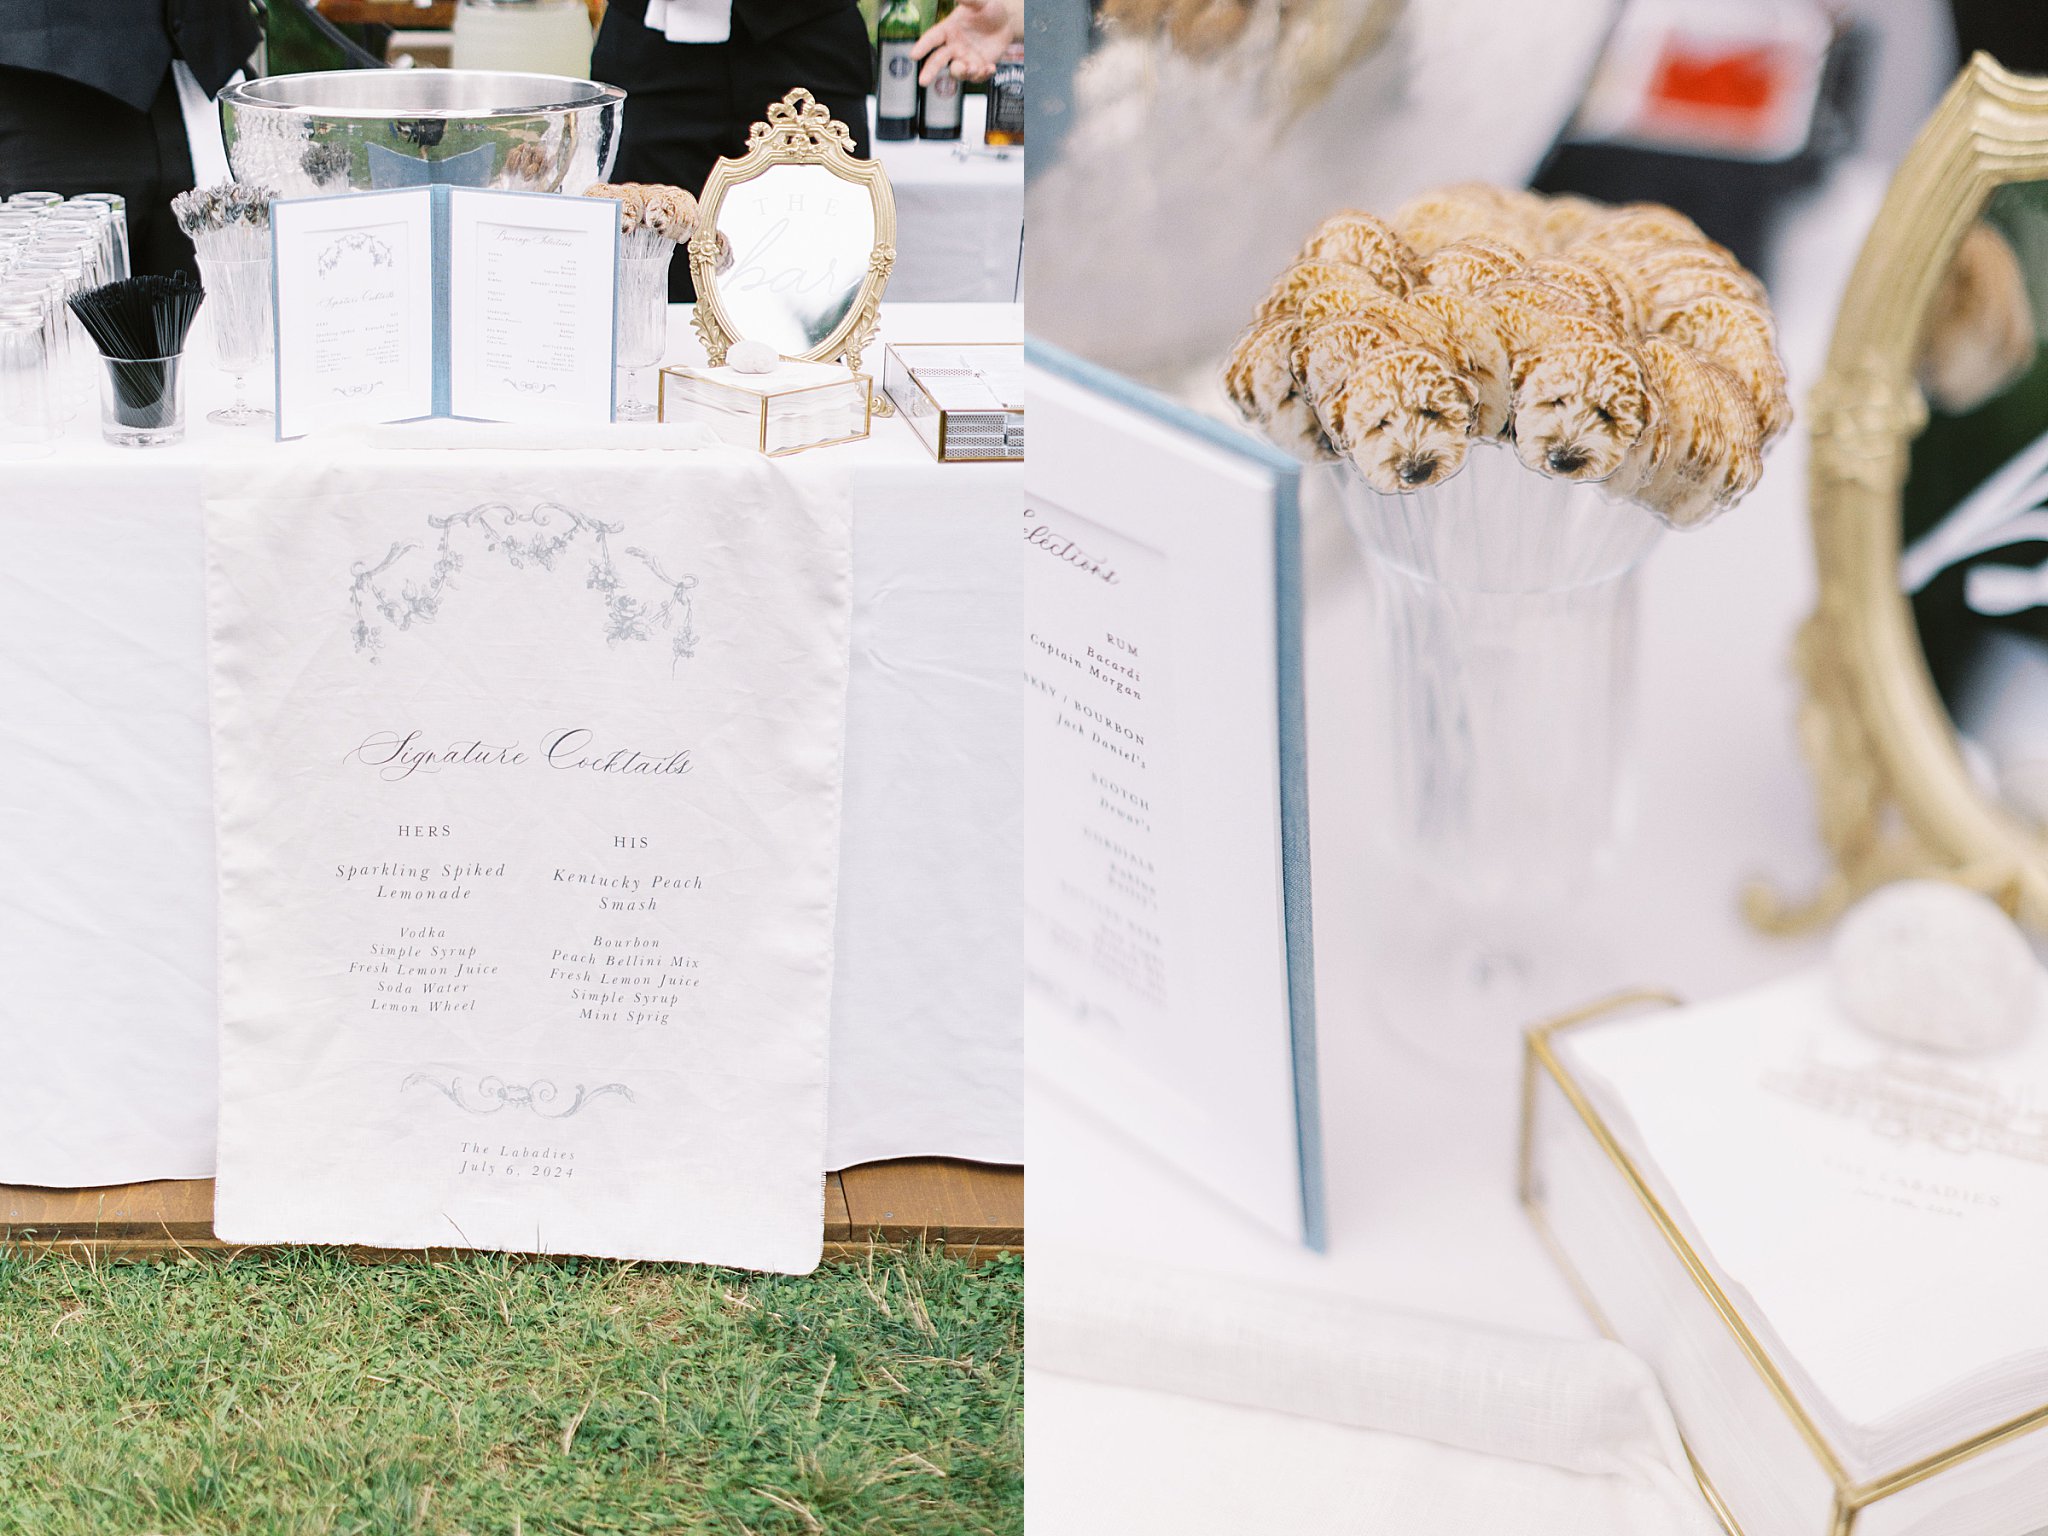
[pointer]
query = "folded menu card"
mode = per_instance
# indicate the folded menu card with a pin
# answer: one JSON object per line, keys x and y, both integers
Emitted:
{"x": 528, "y": 785}
{"x": 1167, "y": 950}
{"x": 443, "y": 301}
{"x": 1876, "y": 1218}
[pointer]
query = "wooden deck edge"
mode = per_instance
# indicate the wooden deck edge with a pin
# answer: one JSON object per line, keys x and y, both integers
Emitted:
{"x": 147, "y": 1248}
{"x": 970, "y": 1208}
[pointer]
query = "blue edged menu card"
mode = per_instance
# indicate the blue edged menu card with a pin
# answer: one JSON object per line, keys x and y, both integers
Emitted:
{"x": 443, "y": 301}
{"x": 1170, "y": 986}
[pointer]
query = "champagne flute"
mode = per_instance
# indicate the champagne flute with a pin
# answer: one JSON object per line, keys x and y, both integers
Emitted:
{"x": 238, "y": 319}
{"x": 643, "y": 327}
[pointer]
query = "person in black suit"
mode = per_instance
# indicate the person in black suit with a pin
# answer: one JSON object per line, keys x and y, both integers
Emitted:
{"x": 689, "y": 103}
{"x": 88, "y": 103}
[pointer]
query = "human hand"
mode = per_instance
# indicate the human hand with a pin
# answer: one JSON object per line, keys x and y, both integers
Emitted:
{"x": 971, "y": 40}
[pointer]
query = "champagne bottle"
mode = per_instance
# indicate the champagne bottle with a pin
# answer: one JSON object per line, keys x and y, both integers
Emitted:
{"x": 939, "y": 104}
{"x": 896, "y": 75}
{"x": 1006, "y": 99}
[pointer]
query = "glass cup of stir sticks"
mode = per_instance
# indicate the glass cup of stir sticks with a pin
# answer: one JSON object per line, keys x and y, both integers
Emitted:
{"x": 139, "y": 325}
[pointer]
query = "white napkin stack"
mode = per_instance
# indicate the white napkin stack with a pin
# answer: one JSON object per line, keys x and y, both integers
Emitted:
{"x": 1878, "y": 1215}
{"x": 802, "y": 409}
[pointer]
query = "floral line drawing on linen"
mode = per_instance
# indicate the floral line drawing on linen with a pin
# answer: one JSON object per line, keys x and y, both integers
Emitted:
{"x": 628, "y": 616}
{"x": 492, "y": 1093}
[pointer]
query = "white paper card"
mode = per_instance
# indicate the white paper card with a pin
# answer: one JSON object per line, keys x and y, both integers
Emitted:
{"x": 354, "y": 307}
{"x": 530, "y": 297}
{"x": 1166, "y": 948}
{"x": 989, "y": 378}
{"x": 1884, "y": 1210}
{"x": 528, "y": 789}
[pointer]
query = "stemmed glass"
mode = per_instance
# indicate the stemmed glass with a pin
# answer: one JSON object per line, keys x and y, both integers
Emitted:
{"x": 238, "y": 318}
{"x": 1506, "y": 603}
{"x": 643, "y": 327}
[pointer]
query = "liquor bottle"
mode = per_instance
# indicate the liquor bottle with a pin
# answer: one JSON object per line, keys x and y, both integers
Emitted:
{"x": 896, "y": 74}
{"x": 1006, "y": 99}
{"x": 938, "y": 104}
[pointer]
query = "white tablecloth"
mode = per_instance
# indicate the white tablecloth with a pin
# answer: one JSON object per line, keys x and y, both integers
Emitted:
{"x": 1420, "y": 1158}
{"x": 106, "y": 834}
{"x": 1173, "y": 1402}
{"x": 959, "y": 214}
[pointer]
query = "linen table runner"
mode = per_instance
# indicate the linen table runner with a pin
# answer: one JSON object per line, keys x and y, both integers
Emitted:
{"x": 528, "y": 784}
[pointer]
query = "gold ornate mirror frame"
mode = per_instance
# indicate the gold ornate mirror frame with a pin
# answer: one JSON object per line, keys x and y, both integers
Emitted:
{"x": 1896, "y": 798}
{"x": 799, "y": 131}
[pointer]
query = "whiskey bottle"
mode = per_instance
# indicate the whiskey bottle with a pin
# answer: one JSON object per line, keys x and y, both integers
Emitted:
{"x": 1006, "y": 99}
{"x": 896, "y": 33}
{"x": 938, "y": 104}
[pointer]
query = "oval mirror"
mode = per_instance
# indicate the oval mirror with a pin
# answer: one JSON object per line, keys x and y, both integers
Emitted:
{"x": 1973, "y": 513}
{"x": 795, "y": 240}
{"x": 800, "y": 239}
{"x": 1926, "y": 663}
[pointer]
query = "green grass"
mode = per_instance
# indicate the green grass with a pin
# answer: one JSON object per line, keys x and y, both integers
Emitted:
{"x": 303, "y": 1393}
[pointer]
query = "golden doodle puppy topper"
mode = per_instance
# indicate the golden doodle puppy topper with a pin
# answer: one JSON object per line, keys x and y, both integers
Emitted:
{"x": 1563, "y": 219}
{"x": 1326, "y": 355}
{"x": 1648, "y": 222}
{"x": 1661, "y": 266}
{"x": 1738, "y": 335}
{"x": 1342, "y": 301}
{"x": 1631, "y": 300}
{"x": 1304, "y": 277}
{"x": 1262, "y": 384}
{"x": 1471, "y": 265}
{"x": 1428, "y": 223}
{"x": 1579, "y": 409}
{"x": 1610, "y": 346}
{"x": 1703, "y": 449}
{"x": 1401, "y": 415}
{"x": 1475, "y": 341}
{"x": 1360, "y": 240}
{"x": 1586, "y": 283}
{"x": 1534, "y": 321}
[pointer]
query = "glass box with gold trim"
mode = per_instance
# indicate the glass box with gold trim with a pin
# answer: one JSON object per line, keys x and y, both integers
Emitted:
{"x": 1749, "y": 1417}
{"x": 964, "y": 399}
{"x": 800, "y": 405}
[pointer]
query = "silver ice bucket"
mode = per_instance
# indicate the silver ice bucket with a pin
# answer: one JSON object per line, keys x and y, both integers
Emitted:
{"x": 359, "y": 130}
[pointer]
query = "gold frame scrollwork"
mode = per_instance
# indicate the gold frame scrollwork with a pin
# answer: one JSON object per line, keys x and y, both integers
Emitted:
{"x": 1896, "y": 798}
{"x": 799, "y": 130}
